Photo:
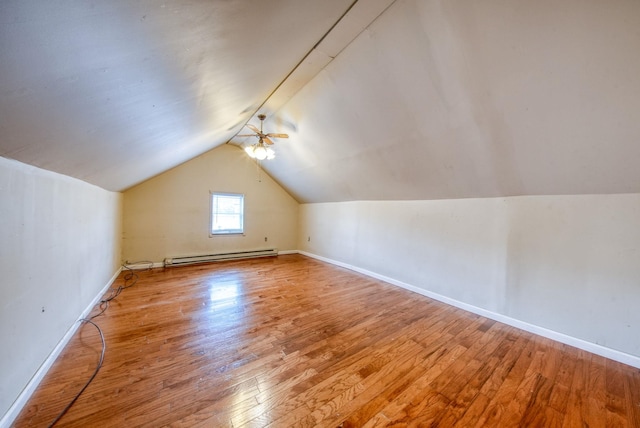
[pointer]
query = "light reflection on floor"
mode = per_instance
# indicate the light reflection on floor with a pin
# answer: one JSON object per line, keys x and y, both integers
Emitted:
{"x": 225, "y": 294}
{"x": 227, "y": 299}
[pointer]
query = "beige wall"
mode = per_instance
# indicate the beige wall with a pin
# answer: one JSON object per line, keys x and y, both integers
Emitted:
{"x": 168, "y": 215}
{"x": 569, "y": 264}
{"x": 59, "y": 247}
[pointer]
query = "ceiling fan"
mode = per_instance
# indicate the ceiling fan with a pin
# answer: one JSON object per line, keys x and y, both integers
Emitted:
{"x": 260, "y": 150}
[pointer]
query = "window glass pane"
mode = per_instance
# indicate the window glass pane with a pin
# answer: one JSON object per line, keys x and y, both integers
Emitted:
{"x": 226, "y": 221}
{"x": 227, "y": 212}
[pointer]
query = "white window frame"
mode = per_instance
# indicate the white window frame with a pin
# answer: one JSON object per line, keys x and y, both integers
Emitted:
{"x": 212, "y": 215}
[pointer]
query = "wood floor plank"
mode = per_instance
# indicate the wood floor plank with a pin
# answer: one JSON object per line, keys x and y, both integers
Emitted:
{"x": 291, "y": 341}
{"x": 340, "y": 384}
{"x": 576, "y": 408}
{"x": 400, "y": 409}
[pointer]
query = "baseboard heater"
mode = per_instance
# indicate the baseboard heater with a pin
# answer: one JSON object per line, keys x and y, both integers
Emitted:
{"x": 205, "y": 258}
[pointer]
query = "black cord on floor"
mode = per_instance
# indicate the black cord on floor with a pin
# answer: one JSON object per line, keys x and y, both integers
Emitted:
{"x": 130, "y": 279}
{"x": 95, "y": 372}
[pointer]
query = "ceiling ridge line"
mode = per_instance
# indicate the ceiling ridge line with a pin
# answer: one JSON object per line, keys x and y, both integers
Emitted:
{"x": 363, "y": 30}
{"x": 324, "y": 36}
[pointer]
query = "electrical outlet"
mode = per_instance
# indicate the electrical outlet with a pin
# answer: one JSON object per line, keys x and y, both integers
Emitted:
{"x": 265, "y": 239}
{"x": 308, "y": 239}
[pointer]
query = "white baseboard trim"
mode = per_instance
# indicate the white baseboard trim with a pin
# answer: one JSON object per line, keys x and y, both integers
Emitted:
{"x": 603, "y": 351}
{"x": 283, "y": 252}
{"x": 10, "y": 416}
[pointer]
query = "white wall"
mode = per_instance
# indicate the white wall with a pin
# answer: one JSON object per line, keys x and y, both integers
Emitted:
{"x": 570, "y": 264}
{"x": 168, "y": 215}
{"x": 59, "y": 247}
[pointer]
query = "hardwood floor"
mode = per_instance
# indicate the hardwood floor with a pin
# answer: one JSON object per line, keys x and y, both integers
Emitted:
{"x": 290, "y": 341}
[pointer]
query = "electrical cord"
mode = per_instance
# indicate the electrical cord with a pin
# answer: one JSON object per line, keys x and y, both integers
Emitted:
{"x": 130, "y": 279}
{"x": 95, "y": 372}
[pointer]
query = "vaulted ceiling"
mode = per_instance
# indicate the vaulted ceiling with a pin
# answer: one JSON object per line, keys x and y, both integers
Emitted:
{"x": 383, "y": 99}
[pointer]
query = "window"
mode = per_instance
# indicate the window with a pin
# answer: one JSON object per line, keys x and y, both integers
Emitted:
{"x": 227, "y": 213}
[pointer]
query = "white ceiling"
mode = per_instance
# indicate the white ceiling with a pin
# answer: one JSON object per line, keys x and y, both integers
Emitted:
{"x": 115, "y": 92}
{"x": 405, "y": 99}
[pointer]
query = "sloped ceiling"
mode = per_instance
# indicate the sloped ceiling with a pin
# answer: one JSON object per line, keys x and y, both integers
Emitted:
{"x": 458, "y": 99}
{"x": 404, "y": 99}
{"x": 115, "y": 92}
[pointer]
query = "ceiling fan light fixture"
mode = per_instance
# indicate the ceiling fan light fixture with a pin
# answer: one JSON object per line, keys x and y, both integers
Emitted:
{"x": 250, "y": 151}
{"x": 260, "y": 152}
{"x": 261, "y": 149}
{"x": 270, "y": 153}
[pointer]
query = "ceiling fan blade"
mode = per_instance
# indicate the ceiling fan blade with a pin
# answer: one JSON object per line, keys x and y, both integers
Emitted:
{"x": 278, "y": 135}
{"x": 246, "y": 135}
{"x": 253, "y": 128}
{"x": 267, "y": 140}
